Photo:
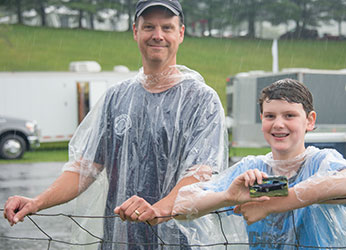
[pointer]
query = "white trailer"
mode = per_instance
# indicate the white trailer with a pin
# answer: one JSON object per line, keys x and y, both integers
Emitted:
{"x": 328, "y": 88}
{"x": 54, "y": 99}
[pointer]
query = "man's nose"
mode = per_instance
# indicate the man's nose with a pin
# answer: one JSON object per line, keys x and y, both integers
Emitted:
{"x": 157, "y": 35}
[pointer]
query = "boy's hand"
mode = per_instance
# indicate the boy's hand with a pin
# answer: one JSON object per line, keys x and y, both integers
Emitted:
{"x": 238, "y": 192}
{"x": 252, "y": 211}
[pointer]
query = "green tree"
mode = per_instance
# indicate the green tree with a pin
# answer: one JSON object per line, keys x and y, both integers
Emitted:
{"x": 122, "y": 7}
{"x": 307, "y": 14}
{"x": 19, "y": 6}
{"x": 130, "y": 7}
{"x": 210, "y": 14}
{"x": 82, "y": 6}
{"x": 304, "y": 13}
{"x": 87, "y": 9}
{"x": 16, "y": 7}
{"x": 334, "y": 10}
{"x": 40, "y": 7}
{"x": 248, "y": 11}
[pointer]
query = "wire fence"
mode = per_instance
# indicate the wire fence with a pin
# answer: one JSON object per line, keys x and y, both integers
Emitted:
{"x": 160, "y": 245}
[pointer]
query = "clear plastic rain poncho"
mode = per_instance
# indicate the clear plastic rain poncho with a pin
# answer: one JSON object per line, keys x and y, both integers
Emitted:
{"x": 134, "y": 142}
{"x": 318, "y": 226}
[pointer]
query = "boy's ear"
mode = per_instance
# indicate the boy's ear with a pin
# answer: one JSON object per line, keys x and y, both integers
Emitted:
{"x": 311, "y": 121}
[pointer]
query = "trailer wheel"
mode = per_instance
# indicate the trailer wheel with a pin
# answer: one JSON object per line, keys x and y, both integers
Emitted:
{"x": 12, "y": 147}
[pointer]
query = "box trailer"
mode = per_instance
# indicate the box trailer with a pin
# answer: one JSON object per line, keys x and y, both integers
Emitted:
{"x": 58, "y": 101}
{"x": 328, "y": 88}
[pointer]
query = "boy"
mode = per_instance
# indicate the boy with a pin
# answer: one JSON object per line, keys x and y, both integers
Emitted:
{"x": 315, "y": 177}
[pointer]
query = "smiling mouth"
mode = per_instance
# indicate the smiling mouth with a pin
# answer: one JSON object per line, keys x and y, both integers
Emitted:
{"x": 281, "y": 135}
{"x": 157, "y": 45}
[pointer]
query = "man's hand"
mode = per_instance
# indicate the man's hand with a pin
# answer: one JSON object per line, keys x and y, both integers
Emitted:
{"x": 17, "y": 207}
{"x": 138, "y": 209}
{"x": 252, "y": 211}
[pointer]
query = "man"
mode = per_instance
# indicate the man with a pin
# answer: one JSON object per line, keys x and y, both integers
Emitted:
{"x": 147, "y": 137}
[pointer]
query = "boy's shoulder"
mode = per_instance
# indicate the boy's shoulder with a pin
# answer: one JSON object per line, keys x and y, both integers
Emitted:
{"x": 325, "y": 159}
{"x": 321, "y": 153}
{"x": 312, "y": 153}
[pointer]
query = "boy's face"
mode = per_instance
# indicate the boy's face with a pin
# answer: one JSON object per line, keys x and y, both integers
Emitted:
{"x": 284, "y": 126}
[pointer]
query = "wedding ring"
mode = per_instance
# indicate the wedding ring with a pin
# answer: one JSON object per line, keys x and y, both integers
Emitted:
{"x": 137, "y": 212}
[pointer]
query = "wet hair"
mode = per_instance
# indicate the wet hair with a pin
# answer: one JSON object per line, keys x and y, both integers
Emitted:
{"x": 163, "y": 8}
{"x": 289, "y": 90}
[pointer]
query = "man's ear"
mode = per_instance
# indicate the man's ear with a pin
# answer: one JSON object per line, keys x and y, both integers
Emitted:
{"x": 182, "y": 33}
{"x": 134, "y": 29}
{"x": 311, "y": 121}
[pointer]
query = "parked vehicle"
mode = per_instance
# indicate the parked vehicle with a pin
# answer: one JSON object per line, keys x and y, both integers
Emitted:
{"x": 17, "y": 136}
{"x": 58, "y": 101}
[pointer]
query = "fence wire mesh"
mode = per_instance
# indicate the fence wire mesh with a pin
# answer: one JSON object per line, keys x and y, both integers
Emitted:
{"x": 160, "y": 245}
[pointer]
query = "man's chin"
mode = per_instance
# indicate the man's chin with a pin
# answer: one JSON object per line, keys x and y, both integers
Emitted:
{"x": 156, "y": 60}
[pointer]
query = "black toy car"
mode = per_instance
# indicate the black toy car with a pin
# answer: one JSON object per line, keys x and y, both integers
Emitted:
{"x": 271, "y": 186}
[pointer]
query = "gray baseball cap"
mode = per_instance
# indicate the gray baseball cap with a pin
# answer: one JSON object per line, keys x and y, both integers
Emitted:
{"x": 173, "y": 5}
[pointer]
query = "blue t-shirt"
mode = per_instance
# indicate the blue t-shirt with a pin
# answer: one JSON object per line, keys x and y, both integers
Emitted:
{"x": 318, "y": 225}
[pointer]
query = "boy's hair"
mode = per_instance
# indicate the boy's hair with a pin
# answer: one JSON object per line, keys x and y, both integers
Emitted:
{"x": 289, "y": 90}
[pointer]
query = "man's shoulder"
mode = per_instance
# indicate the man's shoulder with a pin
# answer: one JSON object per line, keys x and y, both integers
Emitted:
{"x": 199, "y": 88}
{"x": 123, "y": 85}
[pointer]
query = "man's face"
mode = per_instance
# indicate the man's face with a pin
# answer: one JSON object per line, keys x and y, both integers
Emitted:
{"x": 284, "y": 125}
{"x": 158, "y": 35}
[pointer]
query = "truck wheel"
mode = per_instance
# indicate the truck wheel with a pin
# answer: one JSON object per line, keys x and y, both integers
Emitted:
{"x": 12, "y": 147}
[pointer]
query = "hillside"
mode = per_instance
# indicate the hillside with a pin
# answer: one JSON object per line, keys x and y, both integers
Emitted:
{"x": 24, "y": 48}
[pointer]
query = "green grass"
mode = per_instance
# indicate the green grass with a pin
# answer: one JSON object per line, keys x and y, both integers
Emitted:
{"x": 47, "y": 152}
{"x": 24, "y": 48}
{"x": 53, "y": 146}
{"x": 241, "y": 152}
{"x": 57, "y": 152}
{"x": 51, "y": 49}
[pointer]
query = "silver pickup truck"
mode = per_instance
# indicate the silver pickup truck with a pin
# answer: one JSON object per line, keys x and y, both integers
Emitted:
{"x": 17, "y": 136}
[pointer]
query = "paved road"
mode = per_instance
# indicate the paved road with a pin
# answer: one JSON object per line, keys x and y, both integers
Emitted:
{"x": 29, "y": 180}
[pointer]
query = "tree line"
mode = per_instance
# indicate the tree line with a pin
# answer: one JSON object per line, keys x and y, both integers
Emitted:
{"x": 208, "y": 14}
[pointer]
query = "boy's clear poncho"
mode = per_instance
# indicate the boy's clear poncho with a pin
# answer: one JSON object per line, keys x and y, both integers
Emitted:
{"x": 135, "y": 142}
{"x": 316, "y": 226}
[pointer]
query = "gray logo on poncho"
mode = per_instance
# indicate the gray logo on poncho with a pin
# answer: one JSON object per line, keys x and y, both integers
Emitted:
{"x": 121, "y": 124}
